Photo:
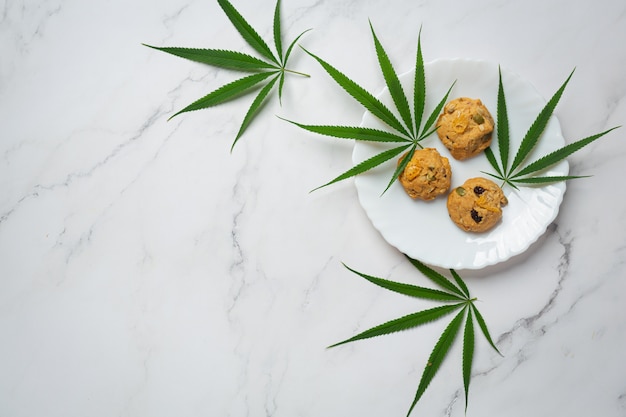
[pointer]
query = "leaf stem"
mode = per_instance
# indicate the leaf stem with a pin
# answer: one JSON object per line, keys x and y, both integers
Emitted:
{"x": 296, "y": 72}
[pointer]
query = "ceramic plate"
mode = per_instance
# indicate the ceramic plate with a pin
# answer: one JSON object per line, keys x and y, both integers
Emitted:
{"x": 423, "y": 230}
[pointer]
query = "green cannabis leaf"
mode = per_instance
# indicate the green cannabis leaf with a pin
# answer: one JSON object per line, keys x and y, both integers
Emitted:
{"x": 516, "y": 175}
{"x": 406, "y": 127}
{"x": 457, "y": 299}
{"x": 266, "y": 70}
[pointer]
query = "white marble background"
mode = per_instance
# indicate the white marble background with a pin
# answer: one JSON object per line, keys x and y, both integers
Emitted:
{"x": 146, "y": 271}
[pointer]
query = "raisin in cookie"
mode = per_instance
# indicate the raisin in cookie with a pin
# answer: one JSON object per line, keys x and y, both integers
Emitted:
{"x": 465, "y": 127}
{"x": 427, "y": 175}
{"x": 476, "y": 205}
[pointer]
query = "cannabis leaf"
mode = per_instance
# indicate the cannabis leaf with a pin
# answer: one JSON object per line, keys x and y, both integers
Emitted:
{"x": 457, "y": 297}
{"x": 266, "y": 70}
{"x": 406, "y": 127}
{"x": 516, "y": 175}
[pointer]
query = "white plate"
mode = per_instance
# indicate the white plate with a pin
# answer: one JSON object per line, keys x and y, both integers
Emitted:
{"x": 423, "y": 230}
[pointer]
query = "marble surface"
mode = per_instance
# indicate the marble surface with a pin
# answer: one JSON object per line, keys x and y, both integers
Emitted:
{"x": 147, "y": 271}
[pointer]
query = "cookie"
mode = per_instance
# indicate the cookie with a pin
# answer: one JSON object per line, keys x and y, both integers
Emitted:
{"x": 465, "y": 127}
{"x": 427, "y": 175}
{"x": 476, "y": 205}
